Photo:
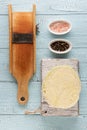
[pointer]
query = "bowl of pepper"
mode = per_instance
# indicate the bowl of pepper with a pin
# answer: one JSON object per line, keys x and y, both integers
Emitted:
{"x": 60, "y": 46}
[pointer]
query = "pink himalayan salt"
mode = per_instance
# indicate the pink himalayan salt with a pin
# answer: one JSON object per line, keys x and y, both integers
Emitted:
{"x": 59, "y": 27}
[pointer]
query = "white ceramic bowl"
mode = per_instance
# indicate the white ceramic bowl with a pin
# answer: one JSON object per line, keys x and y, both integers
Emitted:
{"x": 60, "y": 52}
{"x": 60, "y": 33}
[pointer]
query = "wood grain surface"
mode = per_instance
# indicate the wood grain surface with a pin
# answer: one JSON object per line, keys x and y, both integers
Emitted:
{"x": 46, "y": 109}
{"x": 11, "y": 113}
{"x": 22, "y": 56}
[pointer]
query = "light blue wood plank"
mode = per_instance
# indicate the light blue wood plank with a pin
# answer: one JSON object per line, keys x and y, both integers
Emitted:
{"x": 83, "y": 100}
{"x": 77, "y": 36}
{"x": 32, "y": 122}
{"x": 76, "y": 12}
{"x": 52, "y": 7}
{"x": 9, "y": 105}
{"x": 8, "y": 98}
{"x": 79, "y": 53}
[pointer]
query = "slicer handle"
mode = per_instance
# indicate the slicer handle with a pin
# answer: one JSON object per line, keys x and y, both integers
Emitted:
{"x": 22, "y": 92}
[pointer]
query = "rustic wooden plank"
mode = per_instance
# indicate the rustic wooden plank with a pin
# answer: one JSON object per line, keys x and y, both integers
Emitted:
{"x": 83, "y": 99}
{"x": 9, "y": 105}
{"x": 8, "y": 98}
{"x": 78, "y": 53}
{"x": 77, "y": 35}
{"x": 5, "y": 76}
{"x": 9, "y": 122}
{"x": 47, "y": 65}
{"x": 57, "y": 7}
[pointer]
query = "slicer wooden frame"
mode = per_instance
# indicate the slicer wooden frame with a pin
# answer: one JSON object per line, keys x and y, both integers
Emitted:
{"x": 22, "y": 73}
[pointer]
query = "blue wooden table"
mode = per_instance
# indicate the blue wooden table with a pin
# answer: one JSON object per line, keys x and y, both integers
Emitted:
{"x": 12, "y": 115}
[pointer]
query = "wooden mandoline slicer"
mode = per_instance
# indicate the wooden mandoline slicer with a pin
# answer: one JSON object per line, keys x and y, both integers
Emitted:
{"x": 22, "y": 49}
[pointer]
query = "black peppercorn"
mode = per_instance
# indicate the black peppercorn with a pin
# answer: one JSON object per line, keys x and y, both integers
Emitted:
{"x": 60, "y": 46}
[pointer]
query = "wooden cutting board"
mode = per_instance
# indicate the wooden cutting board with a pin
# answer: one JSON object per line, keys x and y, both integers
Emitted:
{"x": 22, "y": 50}
{"x": 47, "y": 65}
